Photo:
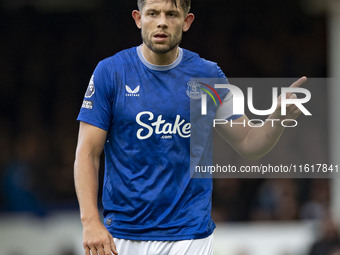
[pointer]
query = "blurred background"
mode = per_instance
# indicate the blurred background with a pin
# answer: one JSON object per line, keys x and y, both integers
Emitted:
{"x": 48, "y": 50}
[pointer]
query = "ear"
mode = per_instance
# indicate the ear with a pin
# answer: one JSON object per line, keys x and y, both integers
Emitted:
{"x": 188, "y": 21}
{"x": 136, "y": 15}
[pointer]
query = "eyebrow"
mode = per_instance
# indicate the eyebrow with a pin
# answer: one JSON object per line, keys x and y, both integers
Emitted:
{"x": 157, "y": 11}
{"x": 151, "y": 10}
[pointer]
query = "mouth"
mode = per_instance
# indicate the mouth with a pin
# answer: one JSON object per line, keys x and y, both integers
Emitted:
{"x": 160, "y": 36}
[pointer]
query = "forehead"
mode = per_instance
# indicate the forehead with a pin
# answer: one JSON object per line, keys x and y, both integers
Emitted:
{"x": 161, "y": 4}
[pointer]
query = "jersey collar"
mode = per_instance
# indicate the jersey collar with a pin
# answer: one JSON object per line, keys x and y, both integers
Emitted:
{"x": 160, "y": 67}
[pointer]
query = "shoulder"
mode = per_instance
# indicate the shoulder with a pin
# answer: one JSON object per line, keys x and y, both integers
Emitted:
{"x": 192, "y": 58}
{"x": 113, "y": 64}
{"x": 195, "y": 57}
{"x": 120, "y": 57}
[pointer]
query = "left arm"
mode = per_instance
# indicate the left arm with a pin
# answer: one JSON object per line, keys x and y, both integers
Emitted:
{"x": 255, "y": 142}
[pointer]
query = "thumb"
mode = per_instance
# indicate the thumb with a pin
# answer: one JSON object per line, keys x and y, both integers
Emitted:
{"x": 292, "y": 96}
{"x": 113, "y": 247}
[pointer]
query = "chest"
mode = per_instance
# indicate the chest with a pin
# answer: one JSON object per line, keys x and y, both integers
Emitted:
{"x": 152, "y": 104}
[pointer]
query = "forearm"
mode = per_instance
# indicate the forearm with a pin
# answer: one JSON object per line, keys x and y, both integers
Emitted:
{"x": 249, "y": 141}
{"x": 96, "y": 237}
{"x": 260, "y": 140}
{"x": 86, "y": 184}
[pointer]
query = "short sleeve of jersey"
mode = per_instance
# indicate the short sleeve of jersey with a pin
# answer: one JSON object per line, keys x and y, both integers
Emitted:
{"x": 220, "y": 73}
{"x": 97, "y": 105}
{"x": 225, "y": 111}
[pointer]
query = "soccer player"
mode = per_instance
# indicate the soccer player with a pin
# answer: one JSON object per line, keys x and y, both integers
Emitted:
{"x": 137, "y": 109}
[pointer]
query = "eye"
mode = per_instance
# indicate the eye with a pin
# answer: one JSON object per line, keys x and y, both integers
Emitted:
{"x": 173, "y": 14}
{"x": 152, "y": 13}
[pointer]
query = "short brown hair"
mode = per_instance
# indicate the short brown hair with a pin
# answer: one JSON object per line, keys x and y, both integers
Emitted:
{"x": 185, "y": 4}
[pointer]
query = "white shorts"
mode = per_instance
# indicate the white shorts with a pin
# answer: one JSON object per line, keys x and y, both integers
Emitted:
{"x": 184, "y": 247}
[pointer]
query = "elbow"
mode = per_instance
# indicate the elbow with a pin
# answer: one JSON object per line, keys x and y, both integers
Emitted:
{"x": 248, "y": 154}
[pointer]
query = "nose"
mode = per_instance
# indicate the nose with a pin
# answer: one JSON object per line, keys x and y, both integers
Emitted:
{"x": 162, "y": 21}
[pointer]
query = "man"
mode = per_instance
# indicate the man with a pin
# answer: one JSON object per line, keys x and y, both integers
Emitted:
{"x": 137, "y": 108}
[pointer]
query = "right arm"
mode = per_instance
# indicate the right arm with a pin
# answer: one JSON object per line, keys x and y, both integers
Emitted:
{"x": 96, "y": 237}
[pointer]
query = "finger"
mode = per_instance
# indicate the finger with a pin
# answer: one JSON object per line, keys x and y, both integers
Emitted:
{"x": 113, "y": 247}
{"x": 292, "y": 96}
{"x": 107, "y": 249}
{"x": 299, "y": 82}
{"x": 93, "y": 250}
{"x": 100, "y": 251}
{"x": 87, "y": 251}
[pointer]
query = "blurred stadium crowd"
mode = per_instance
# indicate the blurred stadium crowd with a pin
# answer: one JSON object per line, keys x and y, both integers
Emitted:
{"x": 46, "y": 62}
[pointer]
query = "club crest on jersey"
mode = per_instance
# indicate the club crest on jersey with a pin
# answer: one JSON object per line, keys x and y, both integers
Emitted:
{"x": 130, "y": 92}
{"x": 194, "y": 90}
{"x": 90, "y": 88}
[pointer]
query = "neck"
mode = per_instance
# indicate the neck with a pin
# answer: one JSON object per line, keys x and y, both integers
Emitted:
{"x": 157, "y": 58}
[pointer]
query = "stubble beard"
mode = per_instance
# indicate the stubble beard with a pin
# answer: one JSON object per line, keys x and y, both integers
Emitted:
{"x": 162, "y": 50}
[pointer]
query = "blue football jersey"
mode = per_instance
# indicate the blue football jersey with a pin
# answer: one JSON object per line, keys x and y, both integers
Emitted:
{"x": 148, "y": 192}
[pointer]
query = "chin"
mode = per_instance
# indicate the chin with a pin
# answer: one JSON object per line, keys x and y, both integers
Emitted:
{"x": 160, "y": 49}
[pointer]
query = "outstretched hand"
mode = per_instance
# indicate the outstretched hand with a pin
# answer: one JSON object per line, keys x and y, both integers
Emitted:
{"x": 292, "y": 111}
